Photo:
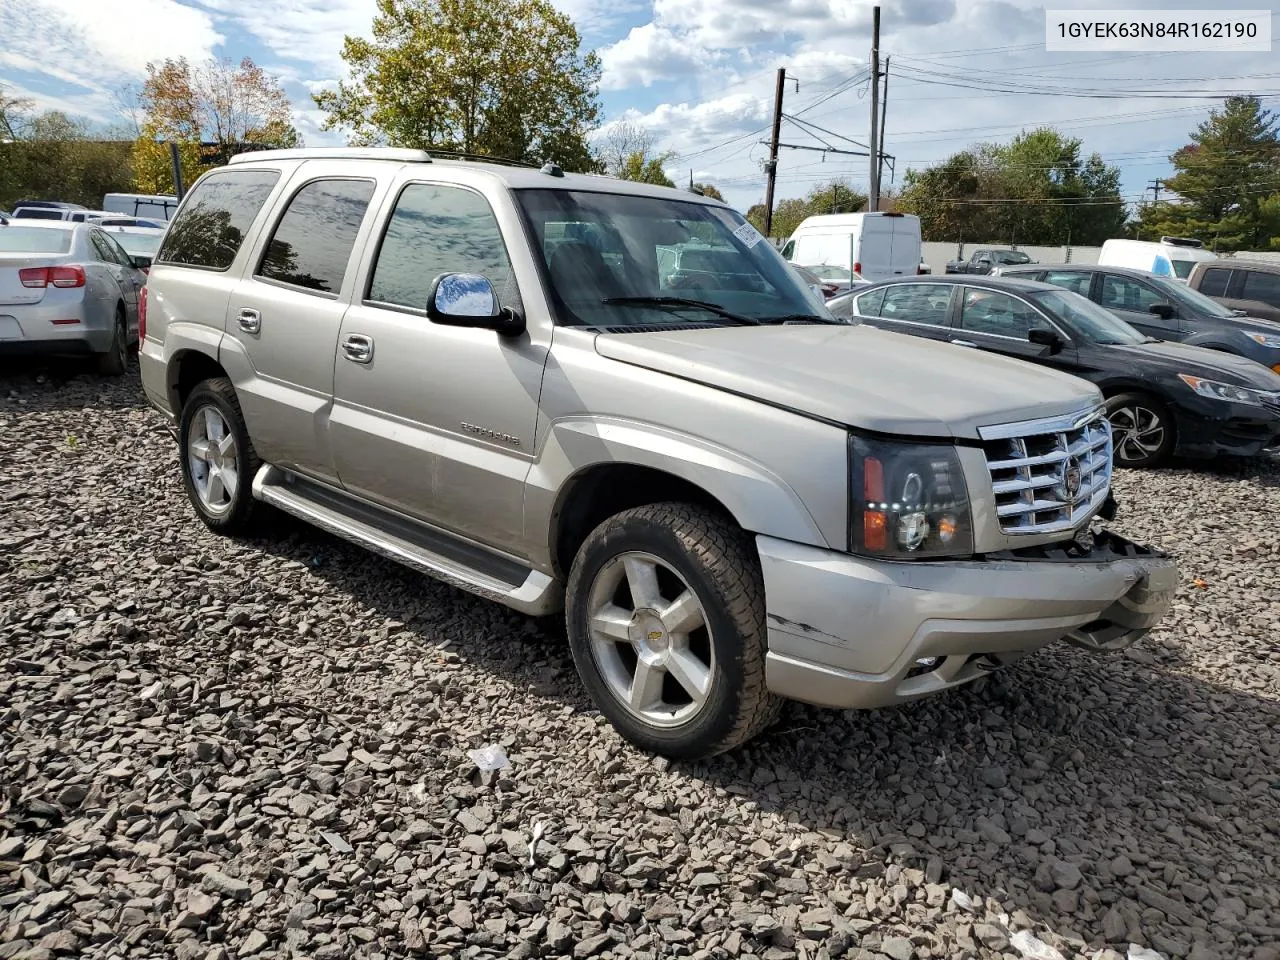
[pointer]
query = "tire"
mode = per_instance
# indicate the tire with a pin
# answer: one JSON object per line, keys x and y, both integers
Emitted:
{"x": 115, "y": 360}
{"x": 706, "y": 562}
{"x": 1143, "y": 429}
{"x": 210, "y": 415}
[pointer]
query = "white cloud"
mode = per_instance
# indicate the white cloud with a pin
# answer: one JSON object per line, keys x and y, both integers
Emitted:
{"x": 649, "y": 54}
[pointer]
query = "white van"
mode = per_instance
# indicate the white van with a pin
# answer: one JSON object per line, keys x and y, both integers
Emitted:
{"x": 1171, "y": 257}
{"x": 152, "y": 206}
{"x": 876, "y": 245}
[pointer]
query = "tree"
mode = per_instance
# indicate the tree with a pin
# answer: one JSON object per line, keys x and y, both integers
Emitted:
{"x": 503, "y": 78}
{"x": 1227, "y": 181}
{"x": 217, "y": 102}
{"x": 1033, "y": 190}
{"x": 59, "y": 157}
{"x": 13, "y": 111}
{"x": 835, "y": 196}
{"x": 710, "y": 190}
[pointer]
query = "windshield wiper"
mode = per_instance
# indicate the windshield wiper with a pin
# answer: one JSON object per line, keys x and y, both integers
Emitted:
{"x": 798, "y": 318}
{"x": 681, "y": 303}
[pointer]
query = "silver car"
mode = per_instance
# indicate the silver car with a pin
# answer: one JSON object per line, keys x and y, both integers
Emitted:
{"x": 67, "y": 289}
{"x": 495, "y": 376}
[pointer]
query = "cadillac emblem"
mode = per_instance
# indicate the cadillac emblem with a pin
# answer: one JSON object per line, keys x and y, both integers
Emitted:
{"x": 1071, "y": 479}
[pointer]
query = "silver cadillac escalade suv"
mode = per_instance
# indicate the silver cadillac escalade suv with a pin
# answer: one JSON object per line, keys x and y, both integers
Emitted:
{"x": 503, "y": 377}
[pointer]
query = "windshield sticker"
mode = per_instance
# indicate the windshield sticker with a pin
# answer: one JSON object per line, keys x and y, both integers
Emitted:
{"x": 748, "y": 235}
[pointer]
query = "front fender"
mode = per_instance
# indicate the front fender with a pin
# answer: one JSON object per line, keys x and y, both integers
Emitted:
{"x": 759, "y": 500}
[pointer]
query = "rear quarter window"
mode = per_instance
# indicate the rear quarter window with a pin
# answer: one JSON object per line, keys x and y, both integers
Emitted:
{"x": 1214, "y": 282}
{"x": 211, "y": 228}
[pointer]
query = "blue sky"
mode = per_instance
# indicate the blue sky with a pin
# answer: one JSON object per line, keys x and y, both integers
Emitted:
{"x": 699, "y": 74}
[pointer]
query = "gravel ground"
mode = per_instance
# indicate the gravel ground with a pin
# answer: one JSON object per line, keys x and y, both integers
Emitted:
{"x": 213, "y": 749}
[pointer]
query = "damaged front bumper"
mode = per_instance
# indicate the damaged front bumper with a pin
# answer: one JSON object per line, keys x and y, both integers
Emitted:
{"x": 850, "y": 632}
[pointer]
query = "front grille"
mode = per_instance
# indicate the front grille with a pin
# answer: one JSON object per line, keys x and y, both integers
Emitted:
{"x": 1050, "y": 475}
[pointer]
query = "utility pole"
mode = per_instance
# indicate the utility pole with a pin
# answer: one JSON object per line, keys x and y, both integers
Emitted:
{"x": 1156, "y": 187}
{"x": 176, "y": 160}
{"x": 873, "y": 200}
{"x": 884, "y": 112}
{"x": 772, "y": 168}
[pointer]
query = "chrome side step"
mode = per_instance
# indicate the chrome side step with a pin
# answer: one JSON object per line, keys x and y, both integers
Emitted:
{"x": 423, "y": 548}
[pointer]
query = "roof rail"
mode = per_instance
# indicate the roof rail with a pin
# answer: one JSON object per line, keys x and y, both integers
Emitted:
{"x": 1181, "y": 242}
{"x": 335, "y": 153}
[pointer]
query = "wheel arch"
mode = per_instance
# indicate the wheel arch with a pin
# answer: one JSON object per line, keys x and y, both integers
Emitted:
{"x": 188, "y": 367}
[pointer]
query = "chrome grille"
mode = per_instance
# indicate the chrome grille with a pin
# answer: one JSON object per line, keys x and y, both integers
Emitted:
{"x": 1050, "y": 475}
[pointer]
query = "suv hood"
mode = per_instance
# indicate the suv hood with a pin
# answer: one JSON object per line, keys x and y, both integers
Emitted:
{"x": 860, "y": 377}
{"x": 1218, "y": 365}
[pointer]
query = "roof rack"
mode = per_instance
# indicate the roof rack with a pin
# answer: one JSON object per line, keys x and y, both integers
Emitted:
{"x": 1181, "y": 242}
{"x": 401, "y": 154}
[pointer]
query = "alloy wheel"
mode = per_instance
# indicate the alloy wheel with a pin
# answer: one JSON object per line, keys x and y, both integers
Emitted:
{"x": 213, "y": 460}
{"x": 1139, "y": 433}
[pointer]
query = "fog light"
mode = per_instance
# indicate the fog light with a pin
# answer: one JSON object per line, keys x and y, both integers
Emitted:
{"x": 913, "y": 528}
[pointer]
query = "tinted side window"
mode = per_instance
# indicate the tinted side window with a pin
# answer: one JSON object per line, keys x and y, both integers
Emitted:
{"x": 209, "y": 231}
{"x": 1259, "y": 285}
{"x": 101, "y": 249}
{"x": 869, "y": 304}
{"x": 917, "y": 303}
{"x": 117, "y": 251}
{"x": 998, "y": 314}
{"x": 1069, "y": 280}
{"x": 1214, "y": 282}
{"x": 312, "y": 241}
{"x": 435, "y": 230}
{"x": 1121, "y": 293}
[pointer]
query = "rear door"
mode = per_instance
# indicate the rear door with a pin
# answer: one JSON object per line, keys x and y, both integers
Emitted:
{"x": 917, "y": 309}
{"x": 1257, "y": 292}
{"x": 874, "y": 249}
{"x": 905, "y": 245}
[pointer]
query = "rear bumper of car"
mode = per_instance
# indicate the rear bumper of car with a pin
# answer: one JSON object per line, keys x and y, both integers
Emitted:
{"x": 850, "y": 632}
{"x": 1210, "y": 428}
{"x": 56, "y": 325}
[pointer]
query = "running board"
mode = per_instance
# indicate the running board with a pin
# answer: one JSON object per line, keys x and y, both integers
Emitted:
{"x": 422, "y": 548}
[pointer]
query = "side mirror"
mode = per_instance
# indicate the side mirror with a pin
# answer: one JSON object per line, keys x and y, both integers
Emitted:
{"x": 1046, "y": 338}
{"x": 1163, "y": 310}
{"x": 986, "y": 260}
{"x": 468, "y": 300}
{"x": 140, "y": 262}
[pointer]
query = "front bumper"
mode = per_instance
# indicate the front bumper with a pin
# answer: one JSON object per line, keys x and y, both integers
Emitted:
{"x": 850, "y": 632}
{"x": 1209, "y": 428}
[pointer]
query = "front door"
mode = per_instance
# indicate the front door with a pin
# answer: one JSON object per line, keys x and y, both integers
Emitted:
{"x": 433, "y": 421}
{"x": 1000, "y": 323}
{"x": 1131, "y": 300}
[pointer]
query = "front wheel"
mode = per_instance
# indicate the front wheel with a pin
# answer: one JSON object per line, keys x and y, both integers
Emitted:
{"x": 1142, "y": 430}
{"x": 666, "y": 620}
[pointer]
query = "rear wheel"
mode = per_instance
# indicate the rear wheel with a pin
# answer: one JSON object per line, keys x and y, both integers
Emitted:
{"x": 218, "y": 460}
{"x": 665, "y": 614}
{"x": 1142, "y": 430}
{"x": 113, "y": 362}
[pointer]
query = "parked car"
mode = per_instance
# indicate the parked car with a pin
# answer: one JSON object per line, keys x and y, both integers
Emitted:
{"x": 875, "y": 245}
{"x": 153, "y": 206}
{"x": 139, "y": 243}
{"x": 1162, "y": 398}
{"x": 820, "y": 288}
{"x": 836, "y": 280}
{"x": 1171, "y": 257}
{"x": 729, "y": 494}
{"x": 114, "y": 220}
{"x": 984, "y": 259}
{"x": 58, "y": 206}
{"x": 67, "y": 288}
{"x": 1165, "y": 309}
{"x": 69, "y": 212}
{"x": 1250, "y": 286}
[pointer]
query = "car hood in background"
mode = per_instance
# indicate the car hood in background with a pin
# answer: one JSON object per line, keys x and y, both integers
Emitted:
{"x": 860, "y": 377}
{"x": 1202, "y": 362}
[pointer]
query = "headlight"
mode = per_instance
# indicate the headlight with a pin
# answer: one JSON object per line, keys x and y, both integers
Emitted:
{"x": 909, "y": 500}
{"x": 1269, "y": 340}
{"x": 1222, "y": 391}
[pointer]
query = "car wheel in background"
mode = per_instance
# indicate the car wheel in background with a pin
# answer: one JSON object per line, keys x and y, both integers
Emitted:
{"x": 666, "y": 620}
{"x": 1142, "y": 430}
{"x": 115, "y": 360}
{"x": 217, "y": 457}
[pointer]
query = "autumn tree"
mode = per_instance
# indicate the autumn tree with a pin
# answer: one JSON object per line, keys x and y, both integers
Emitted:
{"x": 1227, "y": 181}
{"x": 220, "y": 102}
{"x": 501, "y": 78}
{"x": 710, "y": 190}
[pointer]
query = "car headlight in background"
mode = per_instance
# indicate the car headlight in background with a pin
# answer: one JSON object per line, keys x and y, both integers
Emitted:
{"x": 1269, "y": 340}
{"x": 909, "y": 500}
{"x": 1222, "y": 391}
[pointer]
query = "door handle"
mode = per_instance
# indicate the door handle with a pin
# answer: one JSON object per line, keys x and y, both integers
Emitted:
{"x": 964, "y": 343}
{"x": 250, "y": 321}
{"x": 358, "y": 348}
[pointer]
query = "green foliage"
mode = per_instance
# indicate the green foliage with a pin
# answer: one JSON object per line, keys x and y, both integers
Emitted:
{"x": 57, "y": 157}
{"x": 1035, "y": 189}
{"x": 710, "y": 190}
{"x": 642, "y": 168}
{"x": 835, "y": 196}
{"x": 1227, "y": 181}
{"x": 503, "y": 78}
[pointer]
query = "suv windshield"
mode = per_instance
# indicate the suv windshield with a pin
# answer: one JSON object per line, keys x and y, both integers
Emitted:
{"x": 1086, "y": 318}
{"x": 1012, "y": 257}
{"x": 1193, "y": 299}
{"x": 605, "y": 254}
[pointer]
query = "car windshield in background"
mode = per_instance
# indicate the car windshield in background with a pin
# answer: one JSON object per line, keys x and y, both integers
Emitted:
{"x": 828, "y": 272}
{"x": 1086, "y": 318}
{"x": 601, "y": 247}
{"x": 34, "y": 240}
{"x": 1197, "y": 301}
{"x": 138, "y": 244}
{"x": 1013, "y": 258}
